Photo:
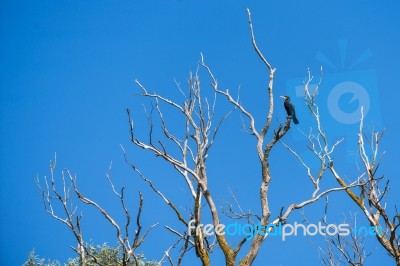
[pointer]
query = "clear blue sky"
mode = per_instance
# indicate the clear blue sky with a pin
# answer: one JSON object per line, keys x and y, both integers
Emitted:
{"x": 66, "y": 76}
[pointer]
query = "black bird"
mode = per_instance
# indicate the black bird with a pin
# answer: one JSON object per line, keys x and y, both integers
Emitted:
{"x": 289, "y": 107}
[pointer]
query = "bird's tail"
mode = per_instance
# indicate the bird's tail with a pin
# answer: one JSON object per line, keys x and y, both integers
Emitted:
{"x": 295, "y": 120}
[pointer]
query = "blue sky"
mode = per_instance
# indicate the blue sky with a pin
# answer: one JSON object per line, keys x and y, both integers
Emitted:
{"x": 67, "y": 76}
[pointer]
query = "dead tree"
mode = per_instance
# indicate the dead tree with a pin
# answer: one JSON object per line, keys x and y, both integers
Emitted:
{"x": 54, "y": 197}
{"x": 189, "y": 153}
{"x": 344, "y": 250}
{"x": 71, "y": 219}
{"x": 369, "y": 196}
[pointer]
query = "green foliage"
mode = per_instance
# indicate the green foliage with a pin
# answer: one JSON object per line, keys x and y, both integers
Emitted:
{"x": 34, "y": 260}
{"x": 96, "y": 255}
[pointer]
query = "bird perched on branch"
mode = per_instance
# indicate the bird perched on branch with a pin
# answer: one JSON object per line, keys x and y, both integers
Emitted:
{"x": 289, "y": 107}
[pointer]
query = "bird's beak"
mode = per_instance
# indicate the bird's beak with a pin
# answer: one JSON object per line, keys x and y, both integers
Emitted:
{"x": 283, "y": 97}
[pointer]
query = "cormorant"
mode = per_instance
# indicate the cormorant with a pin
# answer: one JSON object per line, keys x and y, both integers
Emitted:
{"x": 289, "y": 107}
